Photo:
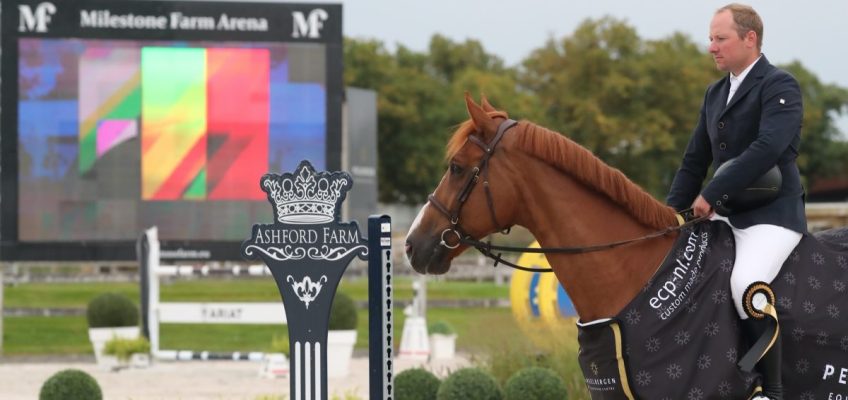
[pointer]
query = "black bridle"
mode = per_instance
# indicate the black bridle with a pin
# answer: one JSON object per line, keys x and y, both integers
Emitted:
{"x": 685, "y": 218}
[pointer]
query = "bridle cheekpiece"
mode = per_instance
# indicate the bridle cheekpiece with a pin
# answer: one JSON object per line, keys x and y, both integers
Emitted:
{"x": 462, "y": 197}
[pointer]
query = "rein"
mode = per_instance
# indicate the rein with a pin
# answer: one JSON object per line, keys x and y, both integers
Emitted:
{"x": 486, "y": 248}
{"x": 685, "y": 218}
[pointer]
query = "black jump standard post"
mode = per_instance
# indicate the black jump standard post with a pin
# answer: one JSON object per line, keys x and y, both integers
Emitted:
{"x": 380, "y": 307}
{"x": 307, "y": 249}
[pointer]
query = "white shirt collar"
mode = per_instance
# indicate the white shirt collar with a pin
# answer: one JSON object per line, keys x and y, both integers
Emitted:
{"x": 741, "y": 77}
{"x": 736, "y": 80}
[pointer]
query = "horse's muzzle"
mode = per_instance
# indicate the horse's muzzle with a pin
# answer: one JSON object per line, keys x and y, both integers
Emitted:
{"x": 428, "y": 257}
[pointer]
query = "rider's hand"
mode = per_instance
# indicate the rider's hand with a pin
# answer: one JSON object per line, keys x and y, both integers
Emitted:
{"x": 701, "y": 208}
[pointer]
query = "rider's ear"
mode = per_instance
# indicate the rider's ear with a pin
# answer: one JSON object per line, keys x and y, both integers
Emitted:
{"x": 481, "y": 119}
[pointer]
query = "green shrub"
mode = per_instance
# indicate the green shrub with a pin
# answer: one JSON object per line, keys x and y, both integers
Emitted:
{"x": 343, "y": 313}
{"x": 124, "y": 348}
{"x": 469, "y": 384}
{"x": 280, "y": 344}
{"x": 535, "y": 383}
{"x": 416, "y": 384}
{"x": 70, "y": 384}
{"x": 441, "y": 327}
{"x": 110, "y": 310}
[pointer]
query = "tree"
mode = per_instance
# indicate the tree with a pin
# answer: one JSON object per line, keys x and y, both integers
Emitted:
{"x": 418, "y": 106}
{"x": 822, "y": 153}
{"x": 410, "y": 132}
{"x": 449, "y": 59}
{"x": 631, "y": 102}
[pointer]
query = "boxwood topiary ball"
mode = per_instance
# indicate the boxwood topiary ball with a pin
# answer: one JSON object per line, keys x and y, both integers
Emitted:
{"x": 343, "y": 313}
{"x": 110, "y": 310}
{"x": 70, "y": 384}
{"x": 416, "y": 384}
{"x": 469, "y": 384}
{"x": 535, "y": 383}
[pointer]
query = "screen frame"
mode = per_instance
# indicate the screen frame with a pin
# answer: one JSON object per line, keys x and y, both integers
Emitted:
{"x": 63, "y": 23}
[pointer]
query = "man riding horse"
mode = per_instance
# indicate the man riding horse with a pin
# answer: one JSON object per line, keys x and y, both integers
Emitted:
{"x": 753, "y": 117}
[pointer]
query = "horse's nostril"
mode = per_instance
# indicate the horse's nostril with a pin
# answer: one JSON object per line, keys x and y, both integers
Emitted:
{"x": 408, "y": 248}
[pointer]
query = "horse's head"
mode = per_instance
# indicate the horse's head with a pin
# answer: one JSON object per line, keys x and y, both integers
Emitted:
{"x": 476, "y": 196}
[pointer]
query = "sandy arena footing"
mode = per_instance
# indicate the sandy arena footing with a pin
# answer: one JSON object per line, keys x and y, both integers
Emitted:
{"x": 195, "y": 379}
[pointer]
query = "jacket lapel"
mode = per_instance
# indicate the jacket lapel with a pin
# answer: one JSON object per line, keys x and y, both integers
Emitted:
{"x": 754, "y": 77}
{"x": 717, "y": 100}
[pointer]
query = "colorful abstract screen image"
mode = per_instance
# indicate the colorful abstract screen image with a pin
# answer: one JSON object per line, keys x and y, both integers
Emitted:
{"x": 116, "y": 136}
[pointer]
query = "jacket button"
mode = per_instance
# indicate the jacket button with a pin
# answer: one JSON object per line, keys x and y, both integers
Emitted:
{"x": 722, "y": 146}
{"x": 718, "y": 202}
{"x": 724, "y": 196}
{"x": 721, "y": 125}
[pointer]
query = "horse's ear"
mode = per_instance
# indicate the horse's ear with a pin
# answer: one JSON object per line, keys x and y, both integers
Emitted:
{"x": 484, "y": 102}
{"x": 481, "y": 119}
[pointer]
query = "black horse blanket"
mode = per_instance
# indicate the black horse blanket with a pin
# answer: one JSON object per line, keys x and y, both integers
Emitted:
{"x": 680, "y": 338}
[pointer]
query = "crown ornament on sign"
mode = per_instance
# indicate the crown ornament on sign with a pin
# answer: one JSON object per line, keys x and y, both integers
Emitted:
{"x": 306, "y": 197}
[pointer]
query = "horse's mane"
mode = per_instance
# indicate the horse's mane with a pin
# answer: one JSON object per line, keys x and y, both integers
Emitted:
{"x": 569, "y": 157}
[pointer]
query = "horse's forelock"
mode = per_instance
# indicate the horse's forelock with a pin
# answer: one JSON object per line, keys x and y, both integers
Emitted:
{"x": 457, "y": 140}
{"x": 466, "y": 129}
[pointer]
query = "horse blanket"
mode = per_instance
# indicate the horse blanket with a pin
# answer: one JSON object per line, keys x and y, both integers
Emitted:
{"x": 680, "y": 337}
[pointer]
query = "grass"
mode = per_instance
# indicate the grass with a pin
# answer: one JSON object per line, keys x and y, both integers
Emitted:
{"x": 77, "y": 295}
{"x": 64, "y": 295}
{"x": 69, "y": 335}
{"x": 45, "y": 335}
{"x": 491, "y": 335}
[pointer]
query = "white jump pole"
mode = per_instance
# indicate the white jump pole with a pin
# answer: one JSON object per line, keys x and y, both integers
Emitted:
{"x": 158, "y": 312}
{"x": 153, "y": 289}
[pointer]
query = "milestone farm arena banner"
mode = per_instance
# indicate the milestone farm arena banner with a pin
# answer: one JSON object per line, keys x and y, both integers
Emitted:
{"x": 119, "y": 116}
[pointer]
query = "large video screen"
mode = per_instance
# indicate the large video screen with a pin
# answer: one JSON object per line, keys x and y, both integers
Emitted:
{"x": 174, "y": 135}
{"x": 120, "y": 133}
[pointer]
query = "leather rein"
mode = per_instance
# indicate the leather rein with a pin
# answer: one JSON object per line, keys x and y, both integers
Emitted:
{"x": 486, "y": 248}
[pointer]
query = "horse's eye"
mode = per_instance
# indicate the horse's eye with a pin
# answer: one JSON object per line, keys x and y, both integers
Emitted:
{"x": 455, "y": 169}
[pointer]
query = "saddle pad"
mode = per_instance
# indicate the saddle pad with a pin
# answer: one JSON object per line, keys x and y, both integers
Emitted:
{"x": 681, "y": 336}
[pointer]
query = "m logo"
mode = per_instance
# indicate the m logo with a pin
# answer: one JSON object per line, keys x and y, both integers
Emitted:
{"x": 35, "y": 21}
{"x": 309, "y": 27}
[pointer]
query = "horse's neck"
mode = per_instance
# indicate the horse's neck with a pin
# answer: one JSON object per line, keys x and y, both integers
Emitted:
{"x": 565, "y": 213}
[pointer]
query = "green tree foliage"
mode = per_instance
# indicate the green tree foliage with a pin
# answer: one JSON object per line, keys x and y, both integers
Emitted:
{"x": 633, "y": 102}
{"x": 449, "y": 59}
{"x": 413, "y": 117}
{"x": 822, "y": 155}
{"x": 419, "y": 105}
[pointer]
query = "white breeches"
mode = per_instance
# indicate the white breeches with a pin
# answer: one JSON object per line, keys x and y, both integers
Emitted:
{"x": 761, "y": 251}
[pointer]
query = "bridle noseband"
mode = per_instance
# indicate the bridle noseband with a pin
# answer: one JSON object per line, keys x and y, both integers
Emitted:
{"x": 462, "y": 197}
{"x": 685, "y": 218}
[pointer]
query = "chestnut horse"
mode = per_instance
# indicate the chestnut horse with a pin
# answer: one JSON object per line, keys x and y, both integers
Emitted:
{"x": 504, "y": 173}
{"x": 560, "y": 192}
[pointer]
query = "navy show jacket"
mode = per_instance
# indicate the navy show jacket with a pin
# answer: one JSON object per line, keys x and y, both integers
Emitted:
{"x": 760, "y": 127}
